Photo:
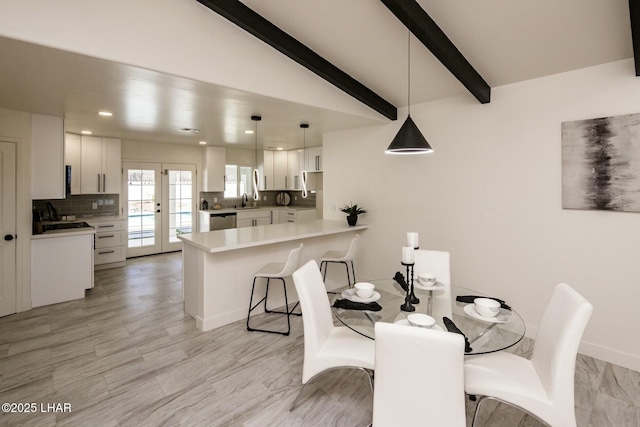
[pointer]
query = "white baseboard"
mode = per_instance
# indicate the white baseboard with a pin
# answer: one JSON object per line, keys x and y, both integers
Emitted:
{"x": 606, "y": 354}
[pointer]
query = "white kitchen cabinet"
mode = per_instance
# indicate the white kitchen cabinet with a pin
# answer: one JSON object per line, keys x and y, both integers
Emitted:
{"x": 267, "y": 171}
{"x": 295, "y": 165}
{"x": 61, "y": 267}
{"x": 111, "y": 243}
{"x": 101, "y": 169}
{"x": 214, "y": 169}
{"x": 296, "y": 215}
{"x": 314, "y": 159}
{"x": 73, "y": 158}
{"x": 47, "y": 157}
{"x": 253, "y": 218}
{"x": 274, "y": 171}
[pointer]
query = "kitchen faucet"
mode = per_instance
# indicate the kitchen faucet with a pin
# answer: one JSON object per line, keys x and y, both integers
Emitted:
{"x": 245, "y": 199}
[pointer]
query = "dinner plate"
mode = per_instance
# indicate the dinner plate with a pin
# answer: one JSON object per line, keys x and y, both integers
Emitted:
{"x": 434, "y": 287}
{"x": 350, "y": 294}
{"x": 503, "y": 316}
{"x": 405, "y": 322}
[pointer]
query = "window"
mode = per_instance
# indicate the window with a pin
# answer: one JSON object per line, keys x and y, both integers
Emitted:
{"x": 237, "y": 180}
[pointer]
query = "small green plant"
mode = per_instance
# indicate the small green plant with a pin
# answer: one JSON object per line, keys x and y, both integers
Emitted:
{"x": 352, "y": 210}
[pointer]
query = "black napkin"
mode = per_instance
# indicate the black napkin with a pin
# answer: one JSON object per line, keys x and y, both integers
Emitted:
{"x": 469, "y": 300}
{"x": 400, "y": 279}
{"x": 352, "y": 305}
{"x": 451, "y": 327}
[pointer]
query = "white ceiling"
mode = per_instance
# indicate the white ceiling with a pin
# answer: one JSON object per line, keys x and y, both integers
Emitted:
{"x": 505, "y": 40}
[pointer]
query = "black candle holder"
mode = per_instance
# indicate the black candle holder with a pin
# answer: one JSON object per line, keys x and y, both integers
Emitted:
{"x": 410, "y": 298}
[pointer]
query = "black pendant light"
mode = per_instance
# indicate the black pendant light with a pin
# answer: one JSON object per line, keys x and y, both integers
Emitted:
{"x": 409, "y": 139}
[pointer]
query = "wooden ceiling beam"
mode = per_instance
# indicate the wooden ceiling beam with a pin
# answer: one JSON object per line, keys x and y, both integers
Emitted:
{"x": 427, "y": 31}
{"x": 250, "y": 21}
{"x": 634, "y": 12}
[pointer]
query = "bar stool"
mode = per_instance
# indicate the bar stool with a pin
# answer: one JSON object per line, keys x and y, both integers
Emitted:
{"x": 276, "y": 271}
{"x": 342, "y": 257}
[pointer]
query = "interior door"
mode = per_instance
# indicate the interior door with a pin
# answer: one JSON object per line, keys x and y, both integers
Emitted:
{"x": 142, "y": 192}
{"x": 178, "y": 200}
{"x": 7, "y": 228}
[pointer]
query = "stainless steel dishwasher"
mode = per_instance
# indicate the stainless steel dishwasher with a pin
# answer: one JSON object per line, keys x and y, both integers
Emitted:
{"x": 222, "y": 221}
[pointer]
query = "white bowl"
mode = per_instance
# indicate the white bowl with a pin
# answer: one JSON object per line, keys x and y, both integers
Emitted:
{"x": 364, "y": 289}
{"x": 421, "y": 320}
{"x": 487, "y": 307}
{"x": 427, "y": 278}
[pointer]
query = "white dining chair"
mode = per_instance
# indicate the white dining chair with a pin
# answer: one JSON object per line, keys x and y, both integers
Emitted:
{"x": 436, "y": 262}
{"x": 276, "y": 270}
{"x": 326, "y": 347}
{"x": 544, "y": 385}
{"x": 342, "y": 257}
{"x": 418, "y": 377}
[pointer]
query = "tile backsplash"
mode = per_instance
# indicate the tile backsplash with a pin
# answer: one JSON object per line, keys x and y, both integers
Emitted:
{"x": 296, "y": 199}
{"x": 82, "y": 206}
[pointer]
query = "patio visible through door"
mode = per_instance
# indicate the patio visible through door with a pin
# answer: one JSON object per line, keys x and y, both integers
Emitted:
{"x": 160, "y": 205}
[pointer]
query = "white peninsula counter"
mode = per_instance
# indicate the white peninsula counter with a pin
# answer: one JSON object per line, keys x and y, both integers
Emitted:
{"x": 218, "y": 266}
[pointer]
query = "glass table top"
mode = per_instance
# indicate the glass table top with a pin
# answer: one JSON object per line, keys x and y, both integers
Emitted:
{"x": 484, "y": 335}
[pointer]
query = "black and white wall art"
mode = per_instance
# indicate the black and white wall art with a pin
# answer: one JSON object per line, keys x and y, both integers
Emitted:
{"x": 601, "y": 164}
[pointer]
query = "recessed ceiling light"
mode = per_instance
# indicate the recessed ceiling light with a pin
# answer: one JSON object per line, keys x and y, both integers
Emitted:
{"x": 105, "y": 113}
{"x": 189, "y": 130}
{"x": 86, "y": 132}
{"x": 203, "y": 143}
{"x": 279, "y": 148}
{"x": 248, "y": 132}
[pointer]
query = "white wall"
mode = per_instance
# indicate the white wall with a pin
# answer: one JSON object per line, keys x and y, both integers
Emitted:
{"x": 491, "y": 195}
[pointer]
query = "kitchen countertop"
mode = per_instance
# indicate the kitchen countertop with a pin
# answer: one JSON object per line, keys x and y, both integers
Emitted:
{"x": 63, "y": 233}
{"x": 247, "y": 237}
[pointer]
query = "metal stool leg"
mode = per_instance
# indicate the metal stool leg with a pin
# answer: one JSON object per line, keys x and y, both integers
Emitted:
{"x": 287, "y": 312}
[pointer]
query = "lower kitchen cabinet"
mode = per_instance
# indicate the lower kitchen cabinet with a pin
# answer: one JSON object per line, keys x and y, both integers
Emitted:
{"x": 111, "y": 243}
{"x": 296, "y": 215}
{"x": 61, "y": 267}
{"x": 253, "y": 218}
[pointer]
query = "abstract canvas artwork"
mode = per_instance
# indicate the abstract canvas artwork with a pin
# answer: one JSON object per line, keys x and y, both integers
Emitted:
{"x": 601, "y": 164}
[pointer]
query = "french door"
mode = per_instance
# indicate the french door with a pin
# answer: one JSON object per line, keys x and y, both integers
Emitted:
{"x": 160, "y": 201}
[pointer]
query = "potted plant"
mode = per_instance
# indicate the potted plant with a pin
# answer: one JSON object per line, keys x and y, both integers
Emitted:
{"x": 352, "y": 212}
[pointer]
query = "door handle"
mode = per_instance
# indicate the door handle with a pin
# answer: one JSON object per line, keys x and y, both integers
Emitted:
{"x": 8, "y": 237}
{"x": 98, "y": 183}
{"x": 104, "y": 182}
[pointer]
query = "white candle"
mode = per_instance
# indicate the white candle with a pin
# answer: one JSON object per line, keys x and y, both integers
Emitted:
{"x": 407, "y": 254}
{"x": 412, "y": 240}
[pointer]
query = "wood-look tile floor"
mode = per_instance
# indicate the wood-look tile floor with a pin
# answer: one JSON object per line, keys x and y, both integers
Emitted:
{"x": 127, "y": 355}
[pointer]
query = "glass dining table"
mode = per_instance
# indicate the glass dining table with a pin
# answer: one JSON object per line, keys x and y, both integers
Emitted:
{"x": 485, "y": 335}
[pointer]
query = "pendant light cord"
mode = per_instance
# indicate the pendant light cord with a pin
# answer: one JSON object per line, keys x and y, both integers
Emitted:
{"x": 408, "y": 65}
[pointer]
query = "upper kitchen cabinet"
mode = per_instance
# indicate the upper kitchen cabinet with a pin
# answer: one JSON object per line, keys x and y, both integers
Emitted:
{"x": 47, "y": 157}
{"x": 214, "y": 168}
{"x": 314, "y": 159}
{"x": 295, "y": 164}
{"x": 275, "y": 172}
{"x": 100, "y": 171}
{"x": 73, "y": 158}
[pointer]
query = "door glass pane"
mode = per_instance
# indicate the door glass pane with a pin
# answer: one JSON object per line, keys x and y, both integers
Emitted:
{"x": 180, "y": 203}
{"x": 141, "y": 207}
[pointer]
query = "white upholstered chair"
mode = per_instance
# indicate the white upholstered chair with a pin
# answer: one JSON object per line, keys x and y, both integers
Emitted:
{"x": 342, "y": 257}
{"x": 326, "y": 347}
{"x": 544, "y": 385}
{"x": 281, "y": 271}
{"x": 436, "y": 262}
{"x": 418, "y": 377}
